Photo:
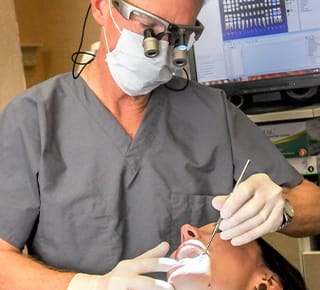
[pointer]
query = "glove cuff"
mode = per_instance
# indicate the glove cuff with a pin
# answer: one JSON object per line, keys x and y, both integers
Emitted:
{"x": 82, "y": 281}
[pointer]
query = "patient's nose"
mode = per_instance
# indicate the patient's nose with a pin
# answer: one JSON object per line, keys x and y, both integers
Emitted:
{"x": 189, "y": 232}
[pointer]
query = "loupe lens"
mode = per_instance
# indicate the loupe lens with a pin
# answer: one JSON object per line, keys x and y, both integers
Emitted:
{"x": 150, "y": 44}
{"x": 180, "y": 56}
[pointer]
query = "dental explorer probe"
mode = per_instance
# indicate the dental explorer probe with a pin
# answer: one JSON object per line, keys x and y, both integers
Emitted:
{"x": 217, "y": 225}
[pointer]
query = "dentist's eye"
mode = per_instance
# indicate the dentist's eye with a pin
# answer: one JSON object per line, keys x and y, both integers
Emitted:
{"x": 145, "y": 26}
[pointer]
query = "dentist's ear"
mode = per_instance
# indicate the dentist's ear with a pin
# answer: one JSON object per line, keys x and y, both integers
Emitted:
{"x": 100, "y": 10}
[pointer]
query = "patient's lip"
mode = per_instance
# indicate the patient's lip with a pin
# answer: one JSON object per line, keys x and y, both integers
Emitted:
{"x": 189, "y": 249}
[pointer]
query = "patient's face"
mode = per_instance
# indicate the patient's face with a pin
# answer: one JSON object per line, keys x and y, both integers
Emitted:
{"x": 224, "y": 268}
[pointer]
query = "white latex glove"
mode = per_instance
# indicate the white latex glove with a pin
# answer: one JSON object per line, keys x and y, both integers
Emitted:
{"x": 252, "y": 210}
{"x": 126, "y": 275}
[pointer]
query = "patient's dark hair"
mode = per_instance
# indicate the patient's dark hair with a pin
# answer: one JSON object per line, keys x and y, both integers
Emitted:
{"x": 290, "y": 277}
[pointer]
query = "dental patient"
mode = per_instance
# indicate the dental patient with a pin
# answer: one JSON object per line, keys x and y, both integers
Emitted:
{"x": 254, "y": 266}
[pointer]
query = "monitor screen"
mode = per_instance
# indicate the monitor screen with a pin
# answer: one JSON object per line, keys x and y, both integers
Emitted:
{"x": 252, "y": 46}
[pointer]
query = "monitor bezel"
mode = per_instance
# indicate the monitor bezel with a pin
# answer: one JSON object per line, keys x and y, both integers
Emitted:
{"x": 271, "y": 84}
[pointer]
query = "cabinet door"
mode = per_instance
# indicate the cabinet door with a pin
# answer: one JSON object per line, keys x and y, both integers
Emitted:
{"x": 311, "y": 267}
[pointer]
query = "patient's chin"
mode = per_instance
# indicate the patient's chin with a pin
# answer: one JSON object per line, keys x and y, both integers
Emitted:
{"x": 191, "y": 282}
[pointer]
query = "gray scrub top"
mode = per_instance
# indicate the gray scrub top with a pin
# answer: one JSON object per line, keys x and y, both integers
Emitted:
{"x": 83, "y": 195}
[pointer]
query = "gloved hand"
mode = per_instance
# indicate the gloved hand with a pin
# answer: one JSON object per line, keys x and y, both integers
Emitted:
{"x": 126, "y": 275}
{"x": 253, "y": 209}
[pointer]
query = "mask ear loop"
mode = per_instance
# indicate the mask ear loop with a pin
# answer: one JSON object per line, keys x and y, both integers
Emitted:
{"x": 115, "y": 24}
{"x": 112, "y": 17}
{"x": 105, "y": 38}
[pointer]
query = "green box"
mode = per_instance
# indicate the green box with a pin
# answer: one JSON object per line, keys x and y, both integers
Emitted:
{"x": 295, "y": 139}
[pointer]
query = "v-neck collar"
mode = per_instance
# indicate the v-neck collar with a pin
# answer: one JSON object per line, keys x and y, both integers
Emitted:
{"x": 131, "y": 149}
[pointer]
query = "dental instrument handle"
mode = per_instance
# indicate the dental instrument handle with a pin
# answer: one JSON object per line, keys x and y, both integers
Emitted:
{"x": 217, "y": 225}
{"x": 215, "y": 229}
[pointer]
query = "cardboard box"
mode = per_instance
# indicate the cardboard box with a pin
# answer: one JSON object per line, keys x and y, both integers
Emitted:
{"x": 295, "y": 139}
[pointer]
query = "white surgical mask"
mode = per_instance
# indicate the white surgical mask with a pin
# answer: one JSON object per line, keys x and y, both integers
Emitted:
{"x": 133, "y": 72}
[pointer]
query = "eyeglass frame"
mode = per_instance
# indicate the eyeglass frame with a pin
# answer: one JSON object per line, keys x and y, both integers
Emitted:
{"x": 125, "y": 9}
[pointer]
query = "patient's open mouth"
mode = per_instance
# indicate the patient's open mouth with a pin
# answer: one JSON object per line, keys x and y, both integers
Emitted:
{"x": 189, "y": 249}
{"x": 190, "y": 259}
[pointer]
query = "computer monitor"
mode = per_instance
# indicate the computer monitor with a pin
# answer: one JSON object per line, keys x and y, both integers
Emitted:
{"x": 258, "y": 46}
